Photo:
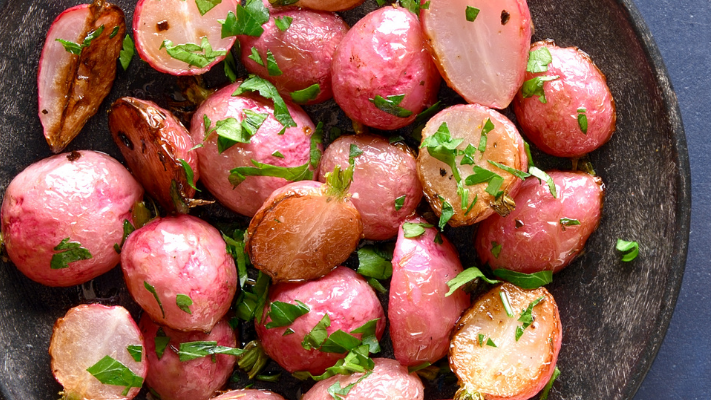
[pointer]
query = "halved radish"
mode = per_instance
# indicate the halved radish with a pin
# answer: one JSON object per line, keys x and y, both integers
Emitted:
{"x": 94, "y": 344}
{"x": 154, "y": 142}
{"x": 480, "y": 48}
{"x": 498, "y": 356}
{"x": 72, "y": 86}
{"x": 160, "y": 24}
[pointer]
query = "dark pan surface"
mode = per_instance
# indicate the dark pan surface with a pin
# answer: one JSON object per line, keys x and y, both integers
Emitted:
{"x": 614, "y": 314}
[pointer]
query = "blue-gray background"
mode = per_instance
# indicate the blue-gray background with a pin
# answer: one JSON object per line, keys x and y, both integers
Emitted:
{"x": 682, "y": 30}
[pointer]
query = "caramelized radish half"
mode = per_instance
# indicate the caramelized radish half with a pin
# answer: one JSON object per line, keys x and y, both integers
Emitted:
{"x": 499, "y": 357}
{"x": 158, "y": 25}
{"x": 72, "y": 86}
{"x": 304, "y": 230}
{"x": 83, "y": 339}
{"x": 153, "y": 142}
{"x": 472, "y": 137}
{"x": 483, "y": 57}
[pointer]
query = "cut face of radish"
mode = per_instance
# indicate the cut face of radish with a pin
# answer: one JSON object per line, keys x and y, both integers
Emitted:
{"x": 83, "y": 339}
{"x": 72, "y": 86}
{"x": 482, "y": 57}
{"x": 160, "y": 24}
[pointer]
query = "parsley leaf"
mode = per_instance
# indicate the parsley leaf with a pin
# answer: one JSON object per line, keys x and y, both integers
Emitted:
{"x": 373, "y": 264}
{"x": 513, "y": 171}
{"x": 136, "y": 352}
{"x": 412, "y": 5}
{"x": 70, "y": 46}
{"x": 114, "y": 32}
{"x": 399, "y": 202}
{"x": 541, "y": 175}
{"x": 482, "y": 175}
{"x": 247, "y": 20}
{"x": 70, "y": 252}
{"x": 469, "y": 153}
{"x": 305, "y": 95}
{"x": 534, "y": 87}
{"x": 339, "y": 342}
{"x": 549, "y": 385}
{"x": 293, "y": 174}
{"x": 569, "y": 222}
{"x": 192, "y": 350}
{"x": 490, "y": 342}
{"x": 525, "y": 281}
{"x": 161, "y": 342}
{"x": 284, "y": 314}
{"x": 151, "y": 289}
{"x": 368, "y": 336}
{"x": 315, "y": 152}
{"x": 447, "y": 213}
{"x": 235, "y": 248}
{"x": 206, "y": 5}
{"x": 443, "y": 147}
{"x": 189, "y": 174}
{"x": 495, "y": 249}
{"x": 391, "y": 105}
{"x": 505, "y": 301}
{"x": 315, "y": 338}
{"x": 250, "y": 303}
{"x": 230, "y": 67}
{"x": 190, "y": 52}
{"x": 338, "y": 393}
{"x": 255, "y": 56}
{"x": 277, "y": 154}
{"x": 538, "y": 60}
{"x": 112, "y": 372}
{"x": 127, "y": 230}
{"x": 418, "y": 367}
{"x": 413, "y": 230}
{"x": 184, "y": 302}
{"x": 471, "y": 13}
{"x": 465, "y": 277}
{"x": 583, "y": 120}
{"x": 127, "y": 52}
{"x": 267, "y": 90}
{"x": 631, "y": 249}
{"x": 283, "y": 23}
{"x": 76, "y": 48}
{"x": 527, "y": 318}
{"x": 272, "y": 67}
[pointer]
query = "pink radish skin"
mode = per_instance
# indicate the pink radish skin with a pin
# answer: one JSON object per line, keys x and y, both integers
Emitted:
{"x": 388, "y": 381}
{"x": 196, "y": 379}
{"x": 347, "y": 299}
{"x": 84, "y": 196}
{"x": 85, "y": 335}
{"x": 513, "y": 370}
{"x": 532, "y": 237}
{"x": 249, "y": 394}
{"x": 421, "y": 317}
{"x": 329, "y": 5}
{"x": 303, "y": 52}
{"x": 180, "y": 255}
{"x": 553, "y": 127}
{"x": 483, "y": 60}
{"x": 383, "y": 173}
{"x": 294, "y": 145}
{"x": 180, "y": 22}
{"x": 384, "y": 55}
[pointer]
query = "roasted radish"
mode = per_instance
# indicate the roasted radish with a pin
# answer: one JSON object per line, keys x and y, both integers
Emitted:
{"x": 242, "y": 134}
{"x": 98, "y": 353}
{"x": 383, "y": 75}
{"x": 387, "y": 381}
{"x": 154, "y": 144}
{"x": 480, "y": 47}
{"x": 173, "y": 377}
{"x": 467, "y": 161}
{"x": 305, "y": 229}
{"x": 63, "y": 217}
{"x": 295, "y": 52}
{"x": 322, "y": 5}
{"x": 248, "y": 394}
{"x": 564, "y": 107}
{"x": 343, "y": 295}
{"x": 385, "y": 188}
{"x": 506, "y": 345}
{"x": 543, "y": 233}
{"x": 77, "y": 68}
{"x": 421, "y": 316}
{"x": 181, "y": 37}
{"x": 178, "y": 270}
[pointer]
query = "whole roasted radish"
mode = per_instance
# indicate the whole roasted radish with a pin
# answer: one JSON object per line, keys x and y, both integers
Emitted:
{"x": 154, "y": 144}
{"x": 480, "y": 47}
{"x": 305, "y": 229}
{"x": 387, "y": 381}
{"x": 383, "y": 75}
{"x": 385, "y": 188}
{"x": 180, "y": 37}
{"x": 468, "y": 157}
{"x": 421, "y": 316}
{"x": 543, "y": 232}
{"x": 178, "y": 270}
{"x": 343, "y": 295}
{"x": 242, "y": 134}
{"x": 565, "y": 107}
{"x": 77, "y": 68}
{"x": 195, "y": 379}
{"x": 322, "y": 5}
{"x": 497, "y": 355}
{"x": 296, "y": 54}
{"x": 248, "y": 394}
{"x": 98, "y": 353}
{"x": 63, "y": 216}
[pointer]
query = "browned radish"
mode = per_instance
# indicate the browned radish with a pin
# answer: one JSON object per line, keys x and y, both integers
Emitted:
{"x": 154, "y": 142}
{"x": 305, "y": 229}
{"x": 497, "y": 356}
{"x": 174, "y": 36}
{"x": 97, "y": 353}
{"x": 473, "y": 138}
{"x": 72, "y": 84}
{"x": 481, "y": 48}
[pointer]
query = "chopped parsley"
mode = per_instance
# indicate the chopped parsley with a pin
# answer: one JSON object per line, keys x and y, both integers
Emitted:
{"x": 525, "y": 281}
{"x": 465, "y": 277}
{"x": 152, "y": 290}
{"x": 305, "y": 95}
{"x": 265, "y": 88}
{"x": 538, "y": 60}
{"x": 112, "y": 372}
{"x": 272, "y": 67}
{"x": 192, "y": 350}
{"x": 199, "y": 56}
{"x": 471, "y": 13}
{"x": 399, "y": 202}
{"x": 534, "y": 87}
{"x": 206, "y": 5}
{"x": 391, "y": 105}
{"x": 284, "y": 314}
{"x": 183, "y": 301}
{"x": 630, "y": 249}
{"x": 413, "y": 230}
{"x": 583, "y": 120}
{"x": 189, "y": 174}
{"x": 127, "y": 52}
{"x": 283, "y": 23}
{"x": 247, "y": 20}
{"x": 527, "y": 318}
{"x": 293, "y": 174}
{"x": 69, "y": 253}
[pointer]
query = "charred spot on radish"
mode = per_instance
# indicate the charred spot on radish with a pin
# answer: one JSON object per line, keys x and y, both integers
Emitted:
{"x": 505, "y": 16}
{"x": 162, "y": 26}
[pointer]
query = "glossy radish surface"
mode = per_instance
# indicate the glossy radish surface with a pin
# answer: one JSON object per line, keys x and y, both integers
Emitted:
{"x": 72, "y": 86}
{"x": 153, "y": 141}
{"x": 83, "y": 196}
{"x": 83, "y": 337}
{"x": 330, "y": 5}
{"x": 303, "y": 232}
{"x": 504, "y": 145}
{"x": 489, "y": 360}
{"x": 484, "y": 60}
{"x": 543, "y": 232}
{"x": 181, "y": 23}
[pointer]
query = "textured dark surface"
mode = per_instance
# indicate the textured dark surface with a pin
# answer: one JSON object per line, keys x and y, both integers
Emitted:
{"x": 614, "y": 314}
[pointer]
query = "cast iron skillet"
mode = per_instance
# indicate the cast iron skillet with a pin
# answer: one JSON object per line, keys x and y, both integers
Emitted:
{"x": 614, "y": 314}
